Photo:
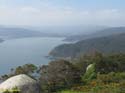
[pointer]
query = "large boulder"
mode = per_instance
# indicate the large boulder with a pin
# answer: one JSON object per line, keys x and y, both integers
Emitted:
{"x": 23, "y": 82}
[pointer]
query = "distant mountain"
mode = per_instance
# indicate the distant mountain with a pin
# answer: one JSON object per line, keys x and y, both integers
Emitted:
{"x": 107, "y": 44}
{"x": 11, "y": 33}
{"x": 67, "y": 31}
{"x": 98, "y": 33}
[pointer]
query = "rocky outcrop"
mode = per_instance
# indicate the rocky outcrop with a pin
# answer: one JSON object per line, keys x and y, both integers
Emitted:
{"x": 24, "y": 83}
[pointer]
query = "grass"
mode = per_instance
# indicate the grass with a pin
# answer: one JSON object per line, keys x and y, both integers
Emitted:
{"x": 94, "y": 87}
{"x": 69, "y": 91}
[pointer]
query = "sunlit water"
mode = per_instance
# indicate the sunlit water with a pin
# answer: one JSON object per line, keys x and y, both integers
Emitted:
{"x": 27, "y": 50}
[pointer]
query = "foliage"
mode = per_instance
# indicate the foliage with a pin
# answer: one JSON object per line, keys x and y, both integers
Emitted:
{"x": 109, "y": 44}
{"x": 90, "y": 73}
{"x": 28, "y": 69}
{"x": 25, "y": 69}
{"x": 4, "y": 77}
{"x": 111, "y": 77}
{"x": 13, "y": 90}
{"x": 58, "y": 75}
{"x": 109, "y": 71}
{"x": 102, "y": 85}
{"x": 103, "y": 63}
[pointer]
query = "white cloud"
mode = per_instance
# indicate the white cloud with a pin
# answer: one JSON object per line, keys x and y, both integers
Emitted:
{"x": 46, "y": 14}
{"x": 30, "y": 10}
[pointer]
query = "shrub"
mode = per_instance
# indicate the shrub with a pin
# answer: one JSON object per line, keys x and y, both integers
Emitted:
{"x": 90, "y": 73}
{"x": 14, "y": 90}
{"x": 111, "y": 77}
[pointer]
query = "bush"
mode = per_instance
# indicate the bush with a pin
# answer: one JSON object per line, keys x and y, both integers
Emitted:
{"x": 90, "y": 74}
{"x": 111, "y": 77}
{"x": 14, "y": 90}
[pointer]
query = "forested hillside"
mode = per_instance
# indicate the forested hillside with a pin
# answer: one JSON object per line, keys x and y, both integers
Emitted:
{"x": 107, "y": 44}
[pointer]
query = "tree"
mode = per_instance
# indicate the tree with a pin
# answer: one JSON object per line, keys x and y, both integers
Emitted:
{"x": 25, "y": 69}
{"x": 28, "y": 69}
{"x": 58, "y": 74}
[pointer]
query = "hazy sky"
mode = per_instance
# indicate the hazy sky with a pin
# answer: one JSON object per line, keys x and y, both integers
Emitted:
{"x": 62, "y": 12}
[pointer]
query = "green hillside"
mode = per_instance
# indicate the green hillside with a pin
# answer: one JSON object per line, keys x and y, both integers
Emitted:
{"x": 107, "y": 44}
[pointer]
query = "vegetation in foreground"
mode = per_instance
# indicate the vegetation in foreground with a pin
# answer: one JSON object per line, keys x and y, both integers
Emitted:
{"x": 106, "y": 83}
{"x": 93, "y": 73}
{"x": 13, "y": 90}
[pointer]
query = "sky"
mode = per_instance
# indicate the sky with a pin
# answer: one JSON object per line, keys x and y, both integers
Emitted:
{"x": 62, "y": 12}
